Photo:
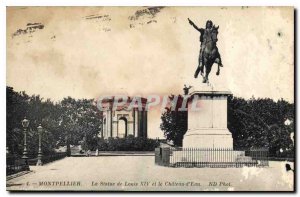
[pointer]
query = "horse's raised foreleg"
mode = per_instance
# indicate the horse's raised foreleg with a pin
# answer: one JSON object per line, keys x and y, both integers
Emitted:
{"x": 197, "y": 72}
{"x": 219, "y": 62}
{"x": 200, "y": 66}
{"x": 204, "y": 79}
{"x": 207, "y": 71}
{"x": 218, "y": 71}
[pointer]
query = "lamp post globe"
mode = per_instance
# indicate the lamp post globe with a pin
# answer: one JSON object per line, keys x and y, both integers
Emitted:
{"x": 25, "y": 122}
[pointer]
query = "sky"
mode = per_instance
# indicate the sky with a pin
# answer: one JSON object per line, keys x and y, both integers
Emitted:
{"x": 86, "y": 52}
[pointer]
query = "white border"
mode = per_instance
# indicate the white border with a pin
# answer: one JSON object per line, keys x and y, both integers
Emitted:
{"x": 4, "y": 3}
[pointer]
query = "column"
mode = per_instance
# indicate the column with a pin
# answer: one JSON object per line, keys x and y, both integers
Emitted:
{"x": 144, "y": 123}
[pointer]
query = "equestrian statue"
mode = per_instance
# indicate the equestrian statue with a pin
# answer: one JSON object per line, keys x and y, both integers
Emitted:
{"x": 209, "y": 53}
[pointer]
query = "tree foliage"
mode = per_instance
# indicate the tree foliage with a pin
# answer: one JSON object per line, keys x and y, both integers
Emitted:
{"x": 66, "y": 122}
{"x": 174, "y": 122}
{"x": 261, "y": 123}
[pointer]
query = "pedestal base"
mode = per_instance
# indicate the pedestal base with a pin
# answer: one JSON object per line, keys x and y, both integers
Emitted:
{"x": 208, "y": 138}
{"x": 207, "y": 119}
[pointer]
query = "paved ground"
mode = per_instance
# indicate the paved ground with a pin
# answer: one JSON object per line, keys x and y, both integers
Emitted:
{"x": 132, "y": 173}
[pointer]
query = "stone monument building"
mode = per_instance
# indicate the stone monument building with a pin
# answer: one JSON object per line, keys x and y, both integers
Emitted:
{"x": 124, "y": 120}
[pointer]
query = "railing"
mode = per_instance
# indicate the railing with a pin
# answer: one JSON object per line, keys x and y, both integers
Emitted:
{"x": 48, "y": 158}
{"x": 15, "y": 164}
{"x": 211, "y": 157}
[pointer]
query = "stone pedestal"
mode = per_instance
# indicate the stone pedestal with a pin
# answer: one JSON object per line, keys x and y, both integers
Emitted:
{"x": 207, "y": 125}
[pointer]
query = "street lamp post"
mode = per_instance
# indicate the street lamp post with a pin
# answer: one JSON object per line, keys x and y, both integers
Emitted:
{"x": 40, "y": 154}
{"x": 25, "y": 124}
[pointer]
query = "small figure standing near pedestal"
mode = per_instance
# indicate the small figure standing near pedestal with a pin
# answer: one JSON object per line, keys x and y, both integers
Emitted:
{"x": 186, "y": 89}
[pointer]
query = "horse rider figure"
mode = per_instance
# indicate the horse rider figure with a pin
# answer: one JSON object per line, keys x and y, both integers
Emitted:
{"x": 207, "y": 35}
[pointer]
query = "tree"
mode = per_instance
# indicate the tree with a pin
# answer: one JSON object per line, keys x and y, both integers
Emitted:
{"x": 64, "y": 123}
{"x": 174, "y": 122}
{"x": 38, "y": 111}
{"x": 80, "y": 119}
{"x": 260, "y": 123}
{"x": 16, "y": 108}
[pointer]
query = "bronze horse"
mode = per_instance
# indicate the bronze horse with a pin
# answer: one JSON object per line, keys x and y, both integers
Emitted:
{"x": 210, "y": 55}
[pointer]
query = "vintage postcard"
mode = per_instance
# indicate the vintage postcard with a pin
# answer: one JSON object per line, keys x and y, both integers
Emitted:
{"x": 150, "y": 99}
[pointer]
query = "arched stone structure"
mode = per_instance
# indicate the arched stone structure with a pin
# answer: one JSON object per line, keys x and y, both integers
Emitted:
{"x": 122, "y": 127}
{"x": 135, "y": 119}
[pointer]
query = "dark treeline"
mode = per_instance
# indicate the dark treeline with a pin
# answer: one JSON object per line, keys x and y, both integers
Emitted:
{"x": 254, "y": 123}
{"x": 262, "y": 123}
{"x": 65, "y": 122}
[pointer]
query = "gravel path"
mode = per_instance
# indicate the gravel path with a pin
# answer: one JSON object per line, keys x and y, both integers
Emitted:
{"x": 140, "y": 173}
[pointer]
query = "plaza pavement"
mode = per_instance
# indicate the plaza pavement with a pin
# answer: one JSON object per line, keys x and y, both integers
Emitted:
{"x": 139, "y": 173}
